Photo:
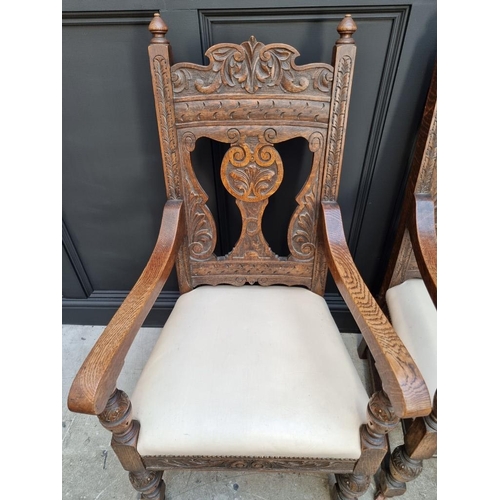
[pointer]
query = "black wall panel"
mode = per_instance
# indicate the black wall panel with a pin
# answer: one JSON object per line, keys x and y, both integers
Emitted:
{"x": 113, "y": 189}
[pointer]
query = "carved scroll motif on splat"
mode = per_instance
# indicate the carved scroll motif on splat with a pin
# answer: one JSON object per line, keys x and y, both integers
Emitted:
{"x": 251, "y": 171}
{"x": 302, "y": 227}
{"x": 252, "y": 67}
{"x": 166, "y": 122}
{"x": 200, "y": 222}
{"x": 337, "y": 134}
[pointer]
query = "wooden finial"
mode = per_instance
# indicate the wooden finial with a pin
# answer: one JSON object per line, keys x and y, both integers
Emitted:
{"x": 346, "y": 28}
{"x": 158, "y": 28}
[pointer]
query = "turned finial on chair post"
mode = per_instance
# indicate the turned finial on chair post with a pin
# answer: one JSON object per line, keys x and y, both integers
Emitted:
{"x": 159, "y": 29}
{"x": 346, "y": 28}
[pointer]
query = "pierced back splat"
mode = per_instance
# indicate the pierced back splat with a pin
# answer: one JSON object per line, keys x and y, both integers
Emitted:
{"x": 252, "y": 96}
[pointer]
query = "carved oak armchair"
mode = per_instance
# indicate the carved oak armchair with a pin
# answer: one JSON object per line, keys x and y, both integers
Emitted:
{"x": 245, "y": 374}
{"x": 409, "y": 292}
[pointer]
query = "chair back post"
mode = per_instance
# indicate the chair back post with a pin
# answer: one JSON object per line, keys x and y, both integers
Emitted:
{"x": 343, "y": 59}
{"x": 160, "y": 59}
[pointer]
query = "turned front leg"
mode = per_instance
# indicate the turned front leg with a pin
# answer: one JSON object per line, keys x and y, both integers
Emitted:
{"x": 381, "y": 420}
{"x": 117, "y": 418}
{"x": 406, "y": 461}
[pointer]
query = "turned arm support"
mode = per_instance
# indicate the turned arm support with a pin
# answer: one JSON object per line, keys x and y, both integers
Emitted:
{"x": 422, "y": 228}
{"x": 401, "y": 379}
{"x": 96, "y": 379}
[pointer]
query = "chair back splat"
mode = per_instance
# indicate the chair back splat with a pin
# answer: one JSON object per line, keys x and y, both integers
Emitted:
{"x": 252, "y": 96}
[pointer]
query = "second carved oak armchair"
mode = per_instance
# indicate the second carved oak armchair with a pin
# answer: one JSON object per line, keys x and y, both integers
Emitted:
{"x": 250, "y": 370}
{"x": 409, "y": 291}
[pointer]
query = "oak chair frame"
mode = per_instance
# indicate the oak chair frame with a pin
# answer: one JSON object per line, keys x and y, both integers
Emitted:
{"x": 414, "y": 255}
{"x": 251, "y": 96}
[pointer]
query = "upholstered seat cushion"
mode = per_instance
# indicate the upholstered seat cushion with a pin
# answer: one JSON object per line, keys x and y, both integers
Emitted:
{"x": 414, "y": 318}
{"x": 250, "y": 371}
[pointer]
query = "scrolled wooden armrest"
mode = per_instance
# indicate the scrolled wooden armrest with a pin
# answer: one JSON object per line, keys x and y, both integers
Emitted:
{"x": 96, "y": 379}
{"x": 422, "y": 229}
{"x": 401, "y": 378}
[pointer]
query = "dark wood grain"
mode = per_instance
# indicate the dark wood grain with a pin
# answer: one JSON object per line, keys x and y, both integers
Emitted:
{"x": 96, "y": 379}
{"x": 401, "y": 378}
{"x": 424, "y": 241}
{"x": 421, "y": 438}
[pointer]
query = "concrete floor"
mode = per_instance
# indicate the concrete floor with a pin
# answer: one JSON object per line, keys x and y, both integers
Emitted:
{"x": 90, "y": 470}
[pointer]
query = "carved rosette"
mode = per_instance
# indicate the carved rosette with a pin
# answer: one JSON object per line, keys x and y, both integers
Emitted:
{"x": 251, "y": 66}
{"x": 166, "y": 123}
{"x": 337, "y": 134}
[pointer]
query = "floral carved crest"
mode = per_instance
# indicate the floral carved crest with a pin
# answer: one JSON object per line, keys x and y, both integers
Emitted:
{"x": 251, "y": 66}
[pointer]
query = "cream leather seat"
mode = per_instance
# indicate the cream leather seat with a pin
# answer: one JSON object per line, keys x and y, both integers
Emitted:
{"x": 242, "y": 371}
{"x": 414, "y": 318}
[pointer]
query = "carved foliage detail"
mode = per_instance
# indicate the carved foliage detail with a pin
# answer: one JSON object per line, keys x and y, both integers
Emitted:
{"x": 352, "y": 485}
{"x": 252, "y": 66}
{"x": 336, "y": 140}
{"x": 117, "y": 406}
{"x": 199, "y": 462}
{"x": 402, "y": 467}
{"x": 426, "y": 182}
{"x": 147, "y": 482}
{"x": 302, "y": 228}
{"x": 381, "y": 420}
{"x": 166, "y": 121}
{"x": 202, "y": 233}
{"x": 380, "y": 408}
{"x": 251, "y": 173}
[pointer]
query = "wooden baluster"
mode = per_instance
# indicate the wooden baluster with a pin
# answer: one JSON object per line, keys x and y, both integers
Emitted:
{"x": 117, "y": 418}
{"x": 381, "y": 420}
{"x": 343, "y": 59}
{"x": 406, "y": 460}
